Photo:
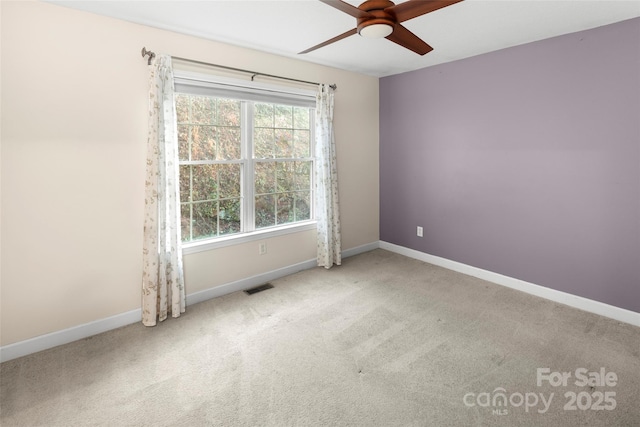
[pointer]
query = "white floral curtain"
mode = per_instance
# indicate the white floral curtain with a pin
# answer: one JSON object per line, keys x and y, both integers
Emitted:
{"x": 162, "y": 276}
{"x": 326, "y": 182}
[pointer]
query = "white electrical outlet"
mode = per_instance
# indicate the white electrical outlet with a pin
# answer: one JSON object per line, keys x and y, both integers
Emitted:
{"x": 262, "y": 248}
{"x": 419, "y": 231}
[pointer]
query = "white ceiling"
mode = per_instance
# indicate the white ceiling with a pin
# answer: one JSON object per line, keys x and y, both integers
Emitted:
{"x": 285, "y": 27}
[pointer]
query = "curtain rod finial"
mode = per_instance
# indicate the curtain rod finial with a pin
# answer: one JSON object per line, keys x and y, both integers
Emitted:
{"x": 146, "y": 52}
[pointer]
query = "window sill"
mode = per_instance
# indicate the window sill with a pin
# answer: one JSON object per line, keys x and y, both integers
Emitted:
{"x": 236, "y": 239}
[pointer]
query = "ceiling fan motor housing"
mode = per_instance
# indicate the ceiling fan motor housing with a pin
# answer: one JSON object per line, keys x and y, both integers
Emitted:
{"x": 377, "y": 14}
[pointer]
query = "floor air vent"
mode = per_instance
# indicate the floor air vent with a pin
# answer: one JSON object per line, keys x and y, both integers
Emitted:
{"x": 258, "y": 289}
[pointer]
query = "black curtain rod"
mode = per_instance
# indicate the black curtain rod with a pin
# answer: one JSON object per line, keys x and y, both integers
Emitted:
{"x": 152, "y": 55}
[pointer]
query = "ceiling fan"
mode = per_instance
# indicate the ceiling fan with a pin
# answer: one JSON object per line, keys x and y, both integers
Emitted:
{"x": 382, "y": 18}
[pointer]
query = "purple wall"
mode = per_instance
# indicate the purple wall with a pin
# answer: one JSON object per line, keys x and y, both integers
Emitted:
{"x": 524, "y": 162}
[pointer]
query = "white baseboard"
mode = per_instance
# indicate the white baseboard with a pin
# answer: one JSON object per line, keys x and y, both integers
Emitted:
{"x": 65, "y": 336}
{"x": 260, "y": 279}
{"x": 249, "y": 282}
{"x": 75, "y": 333}
{"x": 596, "y": 307}
{"x": 360, "y": 249}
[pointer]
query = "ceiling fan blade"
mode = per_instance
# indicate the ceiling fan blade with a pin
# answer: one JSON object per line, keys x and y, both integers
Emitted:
{"x": 414, "y": 8}
{"x": 333, "y": 40}
{"x": 347, "y": 8}
{"x": 407, "y": 39}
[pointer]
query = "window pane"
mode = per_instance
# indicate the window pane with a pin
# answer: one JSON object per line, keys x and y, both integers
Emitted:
{"x": 205, "y": 185}
{"x": 265, "y": 177}
{"x": 301, "y": 118}
{"x": 285, "y": 208}
{"x": 229, "y": 179}
{"x": 301, "y": 143}
{"x": 263, "y": 115}
{"x": 202, "y": 110}
{"x": 302, "y": 175}
{"x": 228, "y": 112}
{"x": 182, "y": 108}
{"x": 283, "y": 116}
{"x": 183, "y": 142}
{"x": 185, "y": 183}
{"x": 228, "y": 143}
{"x": 265, "y": 211}
{"x": 229, "y": 215}
{"x": 285, "y": 177}
{"x": 303, "y": 206}
{"x": 204, "y": 220}
{"x": 203, "y": 143}
{"x": 263, "y": 143}
{"x": 185, "y": 221}
{"x": 284, "y": 143}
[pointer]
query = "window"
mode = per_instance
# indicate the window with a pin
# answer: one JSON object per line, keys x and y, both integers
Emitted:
{"x": 245, "y": 164}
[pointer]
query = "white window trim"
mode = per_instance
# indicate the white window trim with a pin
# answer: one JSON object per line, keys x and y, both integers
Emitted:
{"x": 263, "y": 233}
{"x": 236, "y": 239}
{"x": 203, "y": 84}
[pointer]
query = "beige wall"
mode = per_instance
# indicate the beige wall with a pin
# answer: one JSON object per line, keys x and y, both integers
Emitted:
{"x": 74, "y": 119}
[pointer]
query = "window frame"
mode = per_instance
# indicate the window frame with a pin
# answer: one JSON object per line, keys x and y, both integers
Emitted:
{"x": 207, "y": 85}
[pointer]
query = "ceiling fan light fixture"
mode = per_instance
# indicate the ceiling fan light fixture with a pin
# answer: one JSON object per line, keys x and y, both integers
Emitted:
{"x": 376, "y": 31}
{"x": 383, "y": 19}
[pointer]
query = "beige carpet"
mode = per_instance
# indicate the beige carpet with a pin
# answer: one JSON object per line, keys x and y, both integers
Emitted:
{"x": 382, "y": 340}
